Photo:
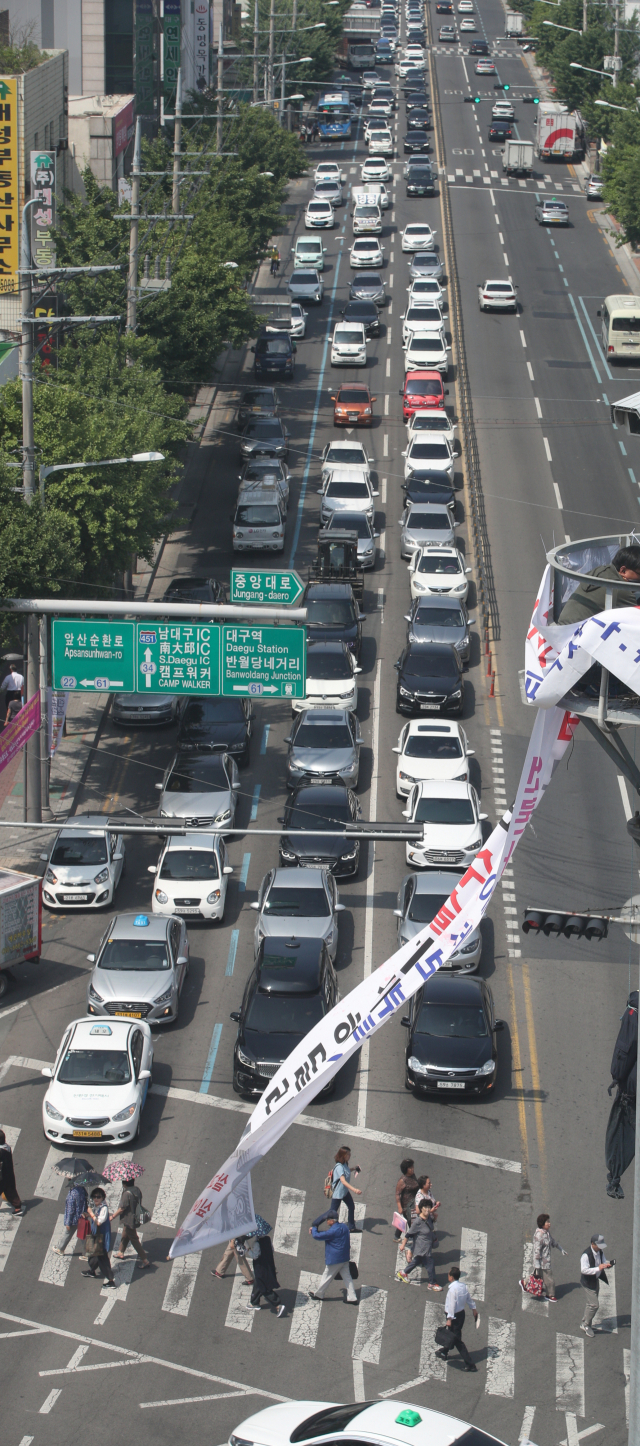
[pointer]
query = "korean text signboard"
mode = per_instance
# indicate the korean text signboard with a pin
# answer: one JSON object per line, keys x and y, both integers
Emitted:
{"x": 201, "y": 41}
{"x": 171, "y": 53}
{"x": 144, "y": 58}
{"x": 43, "y": 216}
{"x": 9, "y": 198}
{"x": 91, "y": 655}
{"x": 274, "y": 586}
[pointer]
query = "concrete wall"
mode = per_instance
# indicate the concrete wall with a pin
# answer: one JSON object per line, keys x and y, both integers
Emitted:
{"x": 44, "y": 113}
{"x": 92, "y": 47}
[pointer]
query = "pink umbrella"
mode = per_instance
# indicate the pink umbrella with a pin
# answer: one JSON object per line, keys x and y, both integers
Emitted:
{"x": 123, "y": 1170}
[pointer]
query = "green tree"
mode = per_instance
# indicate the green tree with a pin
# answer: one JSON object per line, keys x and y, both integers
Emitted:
{"x": 39, "y": 552}
{"x": 621, "y": 172}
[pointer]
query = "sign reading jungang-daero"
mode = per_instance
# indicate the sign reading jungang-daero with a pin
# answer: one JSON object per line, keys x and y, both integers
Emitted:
{"x": 226, "y": 1200}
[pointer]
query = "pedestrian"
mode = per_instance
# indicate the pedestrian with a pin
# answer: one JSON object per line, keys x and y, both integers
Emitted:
{"x": 264, "y": 1269}
{"x": 13, "y": 687}
{"x": 232, "y": 1252}
{"x": 542, "y": 1242}
{"x": 75, "y": 1206}
{"x": 337, "y": 1249}
{"x": 406, "y": 1191}
{"x": 424, "y": 1195}
{"x": 457, "y": 1299}
{"x": 592, "y": 1271}
{"x": 13, "y": 708}
{"x": 7, "y": 1176}
{"x": 130, "y": 1203}
{"x": 590, "y": 597}
{"x": 420, "y": 1238}
{"x": 342, "y": 1189}
{"x": 98, "y": 1243}
{"x": 315, "y": 131}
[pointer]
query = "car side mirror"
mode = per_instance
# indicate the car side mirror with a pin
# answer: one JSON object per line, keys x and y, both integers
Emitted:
{"x": 483, "y": 816}
{"x": 254, "y": 905}
{"x": 498, "y": 1024}
{"x": 158, "y": 786}
{"x": 145, "y": 1074}
{"x": 471, "y": 752}
{"x": 471, "y": 621}
{"x": 405, "y": 1021}
{"x": 398, "y": 912}
{"x": 357, "y": 670}
{"x": 44, "y": 858}
{"x": 47, "y": 1071}
{"x": 151, "y": 868}
{"x": 406, "y": 813}
{"x": 235, "y": 1015}
{"x": 279, "y": 819}
{"x": 117, "y": 858}
{"x": 288, "y": 740}
{"x": 92, "y": 957}
{"x": 228, "y": 869}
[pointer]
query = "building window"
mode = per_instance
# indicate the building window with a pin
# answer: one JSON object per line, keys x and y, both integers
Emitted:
{"x": 118, "y": 46}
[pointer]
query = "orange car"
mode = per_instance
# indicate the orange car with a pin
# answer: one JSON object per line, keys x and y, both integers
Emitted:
{"x": 353, "y": 406}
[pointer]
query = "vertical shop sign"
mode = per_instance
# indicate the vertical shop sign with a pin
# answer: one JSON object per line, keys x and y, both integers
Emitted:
{"x": 201, "y": 42}
{"x": 9, "y": 213}
{"x": 144, "y": 58}
{"x": 43, "y": 216}
{"x": 171, "y": 53}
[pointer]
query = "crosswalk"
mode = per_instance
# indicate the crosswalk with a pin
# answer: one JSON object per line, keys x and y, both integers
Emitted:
{"x": 532, "y": 185}
{"x": 495, "y": 1345}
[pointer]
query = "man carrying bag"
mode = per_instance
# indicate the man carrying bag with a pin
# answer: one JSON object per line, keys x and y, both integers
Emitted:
{"x": 457, "y": 1298}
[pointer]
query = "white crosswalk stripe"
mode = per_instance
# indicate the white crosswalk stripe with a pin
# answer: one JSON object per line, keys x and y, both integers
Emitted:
{"x": 570, "y": 1374}
{"x": 367, "y": 1341}
{"x": 170, "y": 1191}
{"x": 238, "y": 1317}
{"x": 182, "y": 1283}
{"x": 539, "y": 1307}
{"x": 286, "y": 1234}
{"x": 501, "y": 1357}
{"x": 113, "y": 1190}
{"x": 123, "y": 1272}
{"x": 55, "y": 1268}
{"x": 431, "y": 1367}
{"x": 305, "y": 1319}
{"x": 49, "y": 1184}
{"x": 356, "y": 1239}
{"x": 607, "y": 1317}
{"x": 473, "y": 1261}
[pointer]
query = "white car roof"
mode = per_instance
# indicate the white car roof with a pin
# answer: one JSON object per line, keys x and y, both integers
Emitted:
{"x": 352, "y": 446}
{"x": 444, "y": 725}
{"x": 306, "y": 878}
{"x": 194, "y": 841}
{"x": 92, "y": 1033}
{"x": 444, "y": 788}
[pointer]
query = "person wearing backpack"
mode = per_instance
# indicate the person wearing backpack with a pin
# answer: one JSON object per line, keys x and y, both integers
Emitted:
{"x": 342, "y": 1189}
{"x": 131, "y": 1214}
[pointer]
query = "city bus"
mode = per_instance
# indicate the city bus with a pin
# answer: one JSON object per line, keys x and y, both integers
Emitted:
{"x": 620, "y": 327}
{"x": 333, "y": 115}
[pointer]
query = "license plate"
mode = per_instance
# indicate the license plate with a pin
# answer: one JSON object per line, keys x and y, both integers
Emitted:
{"x": 127, "y": 1014}
{"x": 353, "y": 416}
{"x": 449, "y": 1084}
{"x": 74, "y": 898}
{"x": 87, "y": 1134}
{"x": 425, "y": 706}
{"x": 186, "y": 910}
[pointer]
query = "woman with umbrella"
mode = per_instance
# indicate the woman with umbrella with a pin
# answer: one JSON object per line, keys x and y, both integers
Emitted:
{"x": 130, "y": 1204}
{"x": 264, "y": 1268}
{"x": 75, "y": 1207}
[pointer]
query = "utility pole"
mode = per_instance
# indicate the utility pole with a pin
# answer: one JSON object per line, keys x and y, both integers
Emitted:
{"x": 220, "y": 90}
{"x": 272, "y": 31}
{"x": 177, "y": 141}
{"x": 255, "y": 52}
{"x": 32, "y": 777}
{"x": 294, "y": 14}
{"x": 616, "y": 37}
{"x": 282, "y": 92}
{"x": 132, "y": 285}
{"x": 584, "y": 17}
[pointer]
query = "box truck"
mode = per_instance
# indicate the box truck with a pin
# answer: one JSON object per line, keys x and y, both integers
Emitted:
{"x": 514, "y": 23}
{"x": 517, "y": 158}
{"x": 559, "y": 133}
{"x": 20, "y": 921}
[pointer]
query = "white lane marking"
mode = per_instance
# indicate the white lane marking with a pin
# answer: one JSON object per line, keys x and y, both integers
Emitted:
{"x": 431, "y": 1365}
{"x": 626, "y": 1358}
{"x": 388, "y": 366}
{"x": 170, "y": 1191}
{"x": 386, "y": 401}
{"x": 388, "y": 336}
{"x": 403, "y": 1388}
{"x": 501, "y": 1358}
{"x": 358, "y": 1381}
{"x": 390, "y": 310}
{"x": 238, "y": 1317}
{"x": 26, "y": 1441}
{"x": 10, "y": 1223}
{"x": 77, "y": 1357}
{"x": 607, "y": 1317}
{"x": 538, "y": 407}
{"x": 182, "y": 1283}
{"x": 624, "y": 796}
{"x": 286, "y": 1233}
{"x": 55, "y": 1268}
{"x": 123, "y": 1272}
{"x": 501, "y": 238}
{"x": 572, "y": 1429}
{"x": 189, "y": 1400}
{"x": 529, "y": 1302}
{"x": 558, "y": 494}
{"x": 305, "y": 1318}
{"x": 473, "y": 1261}
{"x": 383, "y": 491}
{"x": 391, "y": 281}
{"x": 527, "y": 1423}
{"x": 356, "y": 1238}
{"x": 522, "y": 338}
{"x": 547, "y": 449}
{"x": 367, "y": 1340}
{"x": 579, "y": 1435}
{"x": 530, "y": 371}
{"x": 506, "y": 258}
{"x": 363, "y": 1071}
{"x": 385, "y": 445}
{"x": 49, "y": 1184}
{"x": 12, "y": 1135}
{"x": 50, "y": 1402}
{"x": 570, "y": 1373}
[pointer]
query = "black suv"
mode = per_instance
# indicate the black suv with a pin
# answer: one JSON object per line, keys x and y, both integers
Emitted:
{"x": 479, "y": 47}
{"x": 212, "y": 724}
{"x": 293, "y": 985}
{"x": 274, "y": 352}
{"x": 333, "y": 615}
{"x": 366, "y": 312}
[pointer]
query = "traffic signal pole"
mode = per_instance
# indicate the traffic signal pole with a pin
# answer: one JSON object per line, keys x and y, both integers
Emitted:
{"x": 32, "y": 777}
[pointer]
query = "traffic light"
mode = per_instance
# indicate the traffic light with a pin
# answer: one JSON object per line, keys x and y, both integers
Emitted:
{"x": 530, "y": 99}
{"x": 572, "y": 926}
{"x": 499, "y": 86}
{"x": 473, "y": 99}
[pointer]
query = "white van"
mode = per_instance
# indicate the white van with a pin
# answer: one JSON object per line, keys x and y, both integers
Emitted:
{"x": 620, "y": 327}
{"x": 349, "y": 344}
{"x": 258, "y": 521}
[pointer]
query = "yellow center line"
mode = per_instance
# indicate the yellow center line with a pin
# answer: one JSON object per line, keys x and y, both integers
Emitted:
{"x": 517, "y": 1071}
{"x": 110, "y": 802}
{"x": 535, "y": 1075}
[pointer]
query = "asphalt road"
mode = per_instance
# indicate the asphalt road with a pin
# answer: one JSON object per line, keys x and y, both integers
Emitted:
{"x": 537, "y": 1141}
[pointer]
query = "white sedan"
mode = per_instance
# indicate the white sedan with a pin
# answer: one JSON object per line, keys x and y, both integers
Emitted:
{"x": 435, "y": 421}
{"x": 421, "y": 316}
{"x": 418, "y": 236}
{"x": 197, "y": 867}
{"x": 427, "y": 453}
{"x": 452, "y": 822}
{"x": 329, "y": 171}
{"x": 465, "y": 7}
{"x": 439, "y": 569}
{"x": 84, "y": 867}
{"x": 366, "y": 252}
{"x": 298, "y": 320}
{"x": 497, "y": 296}
{"x": 468, "y": 25}
{"x": 431, "y": 751}
{"x": 370, "y": 1423}
{"x": 99, "y": 1082}
{"x": 426, "y": 289}
{"x": 376, "y": 168}
{"x": 380, "y": 143}
{"x": 319, "y": 214}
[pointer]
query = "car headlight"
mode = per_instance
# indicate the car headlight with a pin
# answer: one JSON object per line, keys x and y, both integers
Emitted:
{"x": 468, "y": 948}
{"x": 420, "y": 586}
{"x": 93, "y": 994}
{"x": 459, "y": 778}
{"x": 50, "y": 877}
{"x": 102, "y": 877}
{"x": 239, "y": 1441}
{"x": 457, "y": 694}
{"x": 464, "y": 643}
{"x": 124, "y": 1114}
{"x": 213, "y": 897}
{"x": 460, "y": 588}
{"x": 346, "y": 695}
{"x": 416, "y": 1065}
{"x": 162, "y": 897}
{"x": 366, "y": 412}
{"x": 286, "y": 854}
{"x": 224, "y": 817}
{"x": 296, "y": 768}
{"x": 407, "y": 777}
{"x": 250, "y": 1063}
{"x": 477, "y": 843}
{"x": 404, "y": 692}
{"x": 52, "y": 1111}
{"x": 487, "y": 1068}
{"x": 164, "y": 998}
{"x": 238, "y": 532}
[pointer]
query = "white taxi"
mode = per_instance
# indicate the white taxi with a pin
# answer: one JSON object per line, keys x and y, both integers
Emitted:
{"x": 436, "y": 569}
{"x": 99, "y": 1082}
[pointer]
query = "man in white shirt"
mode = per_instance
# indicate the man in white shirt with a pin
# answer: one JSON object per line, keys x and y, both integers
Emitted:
{"x": 592, "y": 1268}
{"x": 13, "y": 687}
{"x": 458, "y": 1298}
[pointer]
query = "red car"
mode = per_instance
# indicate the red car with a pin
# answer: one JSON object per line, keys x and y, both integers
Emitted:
{"x": 422, "y": 390}
{"x": 353, "y": 406}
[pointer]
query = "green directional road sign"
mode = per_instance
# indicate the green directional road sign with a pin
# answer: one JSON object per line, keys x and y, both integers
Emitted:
{"x": 176, "y": 657}
{"x": 274, "y": 586}
{"x": 263, "y": 662}
{"x": 92, "y": 654}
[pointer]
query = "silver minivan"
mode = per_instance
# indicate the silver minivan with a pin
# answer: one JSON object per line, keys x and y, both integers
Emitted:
{"x": 258, "y": 521}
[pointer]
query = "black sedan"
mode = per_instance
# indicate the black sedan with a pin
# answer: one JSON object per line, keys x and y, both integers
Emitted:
{"x": 293, "y": 985}
{"x": 321, "y": 807}
{"x": 333, "y": 615}
{"x": 444, "y": 7}
{"x": 479, "y": 47}
{"x": 264, "y": 437}
{"x": 195, "y": 589}
{"x": 419, "y": 120}
{"x": 429, "y": 679}
{"x": 257, "y": 402}
{"x": 416, "y": 141}
{"x": 368, "y": 286}
{"x": 452, "y": 1037}
{"x": 426, "y": 487}
{"x": 209, "y": 724}
{"x": 500, "y": 130}
{"x": 365, "y": 312}
{"x": 417, "y": 99}
{"x": 421, "y": 181}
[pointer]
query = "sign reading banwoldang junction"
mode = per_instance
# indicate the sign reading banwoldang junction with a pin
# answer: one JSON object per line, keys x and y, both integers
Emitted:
{"x": 91, "y": 655}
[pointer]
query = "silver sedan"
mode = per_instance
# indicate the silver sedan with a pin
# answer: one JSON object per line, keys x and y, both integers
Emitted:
{"x": 202, "y": 787}
{"x": 303, "y": 900}
{"x": 419, "y": 899}
{"x": 422, "y": 525}
{"x": 324, "y": 744}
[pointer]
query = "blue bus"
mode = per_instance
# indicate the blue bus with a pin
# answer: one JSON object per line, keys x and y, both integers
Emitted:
{"x": 333, "y": 115}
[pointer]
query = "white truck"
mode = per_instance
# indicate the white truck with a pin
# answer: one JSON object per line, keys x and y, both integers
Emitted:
{"x": 517, "y": 158}
{"x": 20, "y": 921}
{"x": 560, "y": 133}
{"x": 513, "y": 23}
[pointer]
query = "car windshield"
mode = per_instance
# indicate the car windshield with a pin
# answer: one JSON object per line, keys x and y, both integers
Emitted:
{"x": 69, "y": 851}
{"x": 283, "y": 1013}
{"x": 319, "y": 816}
{"x": 258, "y": 397}
{"x": 430, "y": 617}
{"x": 424, "y": 907}
{"x": 428, "y": 745}
{"x": 309, "y": 248}
{"x": 451, "y": 1021}
{"x": 430, "y": 451}
{"x": 199, "y": 775}
{"x": 498, "y": 286}
{"x": 424, "y": 313}
{"x": 190, "y": 864}
{"x": 439, "y": 562}
{"x": 95, "y": 1067}
{"x": 347, "y": 336}
{"x": 304, "y": 903}
{"x": 353, "y": 395}
{"x": 433, "y": 522}
{"x": 421, "y": 662}
{"x": 212, "y": 710}
{"x": 366, "y": 211}
{"x": 365, "y": 248}
{"x": 422, "y": 521}
{"x": 330, "y": 612}
{"x": 273, "y": 346}
{"x": 352, "y": 521}
{"x": 423, "y": 346}
{"x": 140, "y": 956}
{"x": 257, "y": 516}
{"x": 445, "y": 811}
{"x": 434, "y": 422}
{"x": 331, "y": 1419}
{"x": 368, "y": 278}
{"x": 328, "y": 667}
{"x": 348, "y": 489}
{"x": 423, "y": 389}
{"x": 270, "y": 427}
{"x": 323, "y": 735}
{"x": 339, "y": 456}
{"x": 304, "y": 278}
{"x": 625, "y": 323}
